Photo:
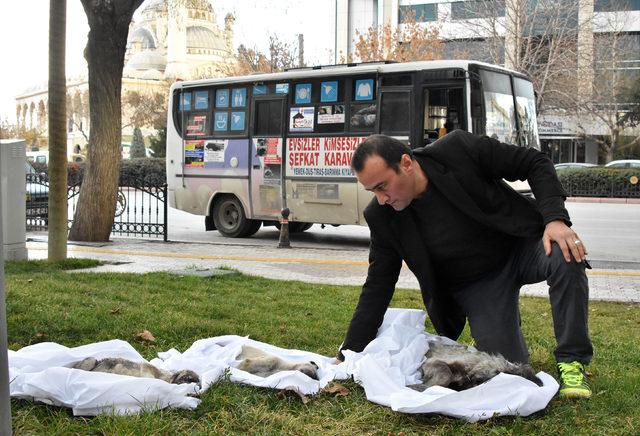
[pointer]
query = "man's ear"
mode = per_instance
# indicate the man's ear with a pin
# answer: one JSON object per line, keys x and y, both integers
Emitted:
{"x": 405, "y": 162}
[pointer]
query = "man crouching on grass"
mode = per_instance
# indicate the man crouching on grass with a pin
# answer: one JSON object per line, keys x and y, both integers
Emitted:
{"x": 472, "y": 242}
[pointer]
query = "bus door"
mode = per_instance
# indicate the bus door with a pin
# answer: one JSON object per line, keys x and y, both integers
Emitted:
{"x": 395, "y": 112}
{"x": 266, "y": 142}
{"x": 443, "y": 109}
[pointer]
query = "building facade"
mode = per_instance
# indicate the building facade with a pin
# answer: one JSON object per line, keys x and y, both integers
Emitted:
{"x": 169, "y": 41}
{"x": 493, "y": 30}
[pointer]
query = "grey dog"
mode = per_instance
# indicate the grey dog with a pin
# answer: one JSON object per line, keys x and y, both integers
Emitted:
{"x": 117, "y": 365}
{"x": 456, "y": 367}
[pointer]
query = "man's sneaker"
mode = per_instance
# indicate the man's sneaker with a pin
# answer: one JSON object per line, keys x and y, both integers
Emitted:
{"x": 573, "y": 381}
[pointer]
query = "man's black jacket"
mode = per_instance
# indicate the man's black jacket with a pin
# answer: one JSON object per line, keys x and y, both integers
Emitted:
{"x": 468, "y": 170}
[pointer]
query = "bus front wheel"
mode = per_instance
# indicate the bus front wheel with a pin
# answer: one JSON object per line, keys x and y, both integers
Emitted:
{"x": 230, "y": 219}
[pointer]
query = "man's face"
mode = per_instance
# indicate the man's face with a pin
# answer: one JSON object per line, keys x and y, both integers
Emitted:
{"x": 389, "y": 187}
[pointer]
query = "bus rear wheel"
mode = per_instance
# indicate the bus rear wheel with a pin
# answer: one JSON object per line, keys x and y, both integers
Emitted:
{"x": 230, "y": 219}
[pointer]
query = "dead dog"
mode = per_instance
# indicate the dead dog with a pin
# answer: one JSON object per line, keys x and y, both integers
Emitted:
{"x": 456, "y": 367}
{"x": 117, "y": 365}
{"x": 263, "y": 364}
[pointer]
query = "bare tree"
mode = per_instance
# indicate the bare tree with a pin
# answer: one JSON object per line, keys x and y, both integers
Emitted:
{"x": 539, "y": 39}
{"x": 610, "y": 110}
{"x": 109, "y": 27}
{"x": 144, "y": 109}
{"x": 58, "y": 220}
{"x": 410, "y": 42}
{"x": 282, "y": 55}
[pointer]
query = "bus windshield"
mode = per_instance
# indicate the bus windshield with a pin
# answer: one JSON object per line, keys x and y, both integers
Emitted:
{"x": 526, "y": 107}
{"x": 499, "y": 106}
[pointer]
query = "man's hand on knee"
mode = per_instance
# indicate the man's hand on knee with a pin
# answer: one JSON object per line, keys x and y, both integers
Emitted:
{"x": 568, "y": 241}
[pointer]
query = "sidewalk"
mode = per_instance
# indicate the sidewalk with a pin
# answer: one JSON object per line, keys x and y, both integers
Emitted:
{"x": 315, "y": 265}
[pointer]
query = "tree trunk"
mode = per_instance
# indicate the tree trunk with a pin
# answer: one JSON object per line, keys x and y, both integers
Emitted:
{"x": 58, "y": 220}
{"x": 109, "y": 27}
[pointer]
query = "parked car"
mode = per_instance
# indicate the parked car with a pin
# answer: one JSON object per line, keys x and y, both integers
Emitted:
{"x": 41, "y": 157}
{"x": 573, "y": 165}
{"x": 624, "y": 163}
{"x": 37, "y": 193}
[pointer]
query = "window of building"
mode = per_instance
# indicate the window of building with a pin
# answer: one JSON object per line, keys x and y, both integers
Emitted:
{"x": 476, "y": 49}
{"x": 418, "y": 13}
{"x": 466, "y": 10}
{"x": 616, "y": 5}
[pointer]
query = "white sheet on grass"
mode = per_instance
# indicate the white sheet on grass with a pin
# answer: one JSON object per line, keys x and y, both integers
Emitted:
{"x": 384, "y": 368}
{"x": 391, "y": 361}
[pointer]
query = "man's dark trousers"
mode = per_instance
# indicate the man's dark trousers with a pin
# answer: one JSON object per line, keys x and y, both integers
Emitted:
{"x": 491, "y": 304}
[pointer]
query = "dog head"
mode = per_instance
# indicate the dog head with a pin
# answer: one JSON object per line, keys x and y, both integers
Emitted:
{"x": 185, "y": 376}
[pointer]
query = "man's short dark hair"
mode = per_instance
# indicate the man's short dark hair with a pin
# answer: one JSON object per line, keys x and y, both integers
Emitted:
{"x": 389, "y": 149}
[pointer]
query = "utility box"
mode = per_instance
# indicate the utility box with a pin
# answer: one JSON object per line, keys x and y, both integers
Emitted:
{"x": 12, "y": 198}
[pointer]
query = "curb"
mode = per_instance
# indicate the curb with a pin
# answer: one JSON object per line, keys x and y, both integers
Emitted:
{"x": 603, "y": 200}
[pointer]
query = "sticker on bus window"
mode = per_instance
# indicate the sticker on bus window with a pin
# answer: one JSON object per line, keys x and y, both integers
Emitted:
{"x": 333, "y": 114}
{"x": 237, "y": 120}
{"x": 222, "y": 98}
{"x": 328, "y": 91}
{"x": 301, "y": 119}
{"x": 282, "y": 88}
{"x": 196, "y": 125}
{"x": 303, "y": 93}
{"x": 239, "y": 98}
{"x": 202, "y": 100}
{"x": 364, "y": 89}
{"x": 194, "y": 154}
{"x": 220, "y": 121}
{"x": 185, "y": 101}
{"x": 259, "y": 89}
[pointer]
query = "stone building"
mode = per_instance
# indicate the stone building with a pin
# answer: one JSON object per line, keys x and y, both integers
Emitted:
{"x": 167, "y": 41}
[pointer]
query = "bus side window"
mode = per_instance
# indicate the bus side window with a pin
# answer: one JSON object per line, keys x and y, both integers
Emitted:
{"x": 395, "y": 113}
{"x": 363, "y": 106}
{"x": 330, "y": 116}
{"x": 268, "y": 118}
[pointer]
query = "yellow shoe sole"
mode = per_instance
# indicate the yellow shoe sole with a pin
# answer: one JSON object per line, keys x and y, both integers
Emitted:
{"x": 575, "y": 393}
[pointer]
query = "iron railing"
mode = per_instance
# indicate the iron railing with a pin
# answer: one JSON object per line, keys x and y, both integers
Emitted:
{"x": 615, "y": 188}
{"x": 140, "y": 210}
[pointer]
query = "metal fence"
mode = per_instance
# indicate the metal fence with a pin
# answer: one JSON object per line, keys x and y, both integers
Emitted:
{"x": 140, "y": 210}
{"x": 614, "y": 188}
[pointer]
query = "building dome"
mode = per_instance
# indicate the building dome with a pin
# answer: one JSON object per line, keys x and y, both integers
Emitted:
{"x": 202, "y": 5}
{"x": 156, "y": 6}
{"x": 143, "y": 39}
{"x": 147, "y": 60}
{"x": 199, "y": 37}
{"x": 151, "y": 75}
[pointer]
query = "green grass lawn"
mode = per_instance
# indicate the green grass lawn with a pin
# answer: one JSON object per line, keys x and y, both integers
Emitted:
{"x": 47, "y": 303}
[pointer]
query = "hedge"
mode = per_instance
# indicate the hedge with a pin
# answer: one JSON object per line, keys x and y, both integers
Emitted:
{"x": 601, "y": 182}
{"x": 133, "y": 172}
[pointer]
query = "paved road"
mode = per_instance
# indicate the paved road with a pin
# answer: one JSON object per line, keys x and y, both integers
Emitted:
{"x": 610, "y": 231}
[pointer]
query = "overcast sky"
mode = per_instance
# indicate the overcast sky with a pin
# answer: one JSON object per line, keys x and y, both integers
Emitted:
{"x": 24, "y": 27}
